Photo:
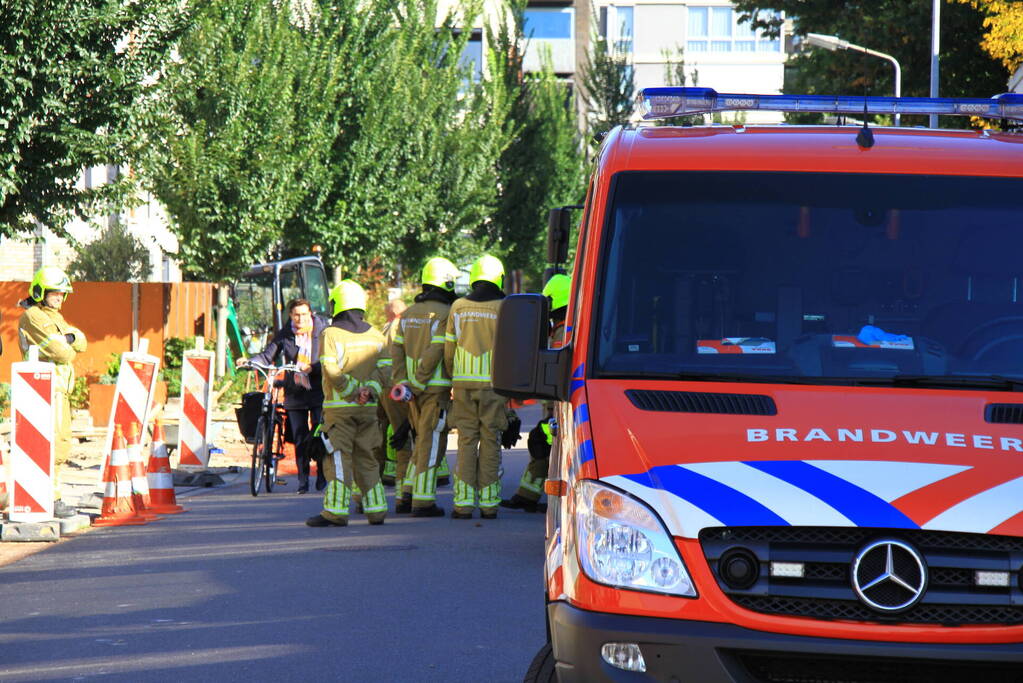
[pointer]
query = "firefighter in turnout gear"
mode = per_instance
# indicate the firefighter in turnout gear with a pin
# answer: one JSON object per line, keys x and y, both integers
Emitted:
{"x": 418, "y": 354}
{"x": 541, "y": 438}
{"x": 355, "y": 366}
{"x": 43, "y": 325}
{"x": 392, "y": 414}
{"x": 478, "y": 413}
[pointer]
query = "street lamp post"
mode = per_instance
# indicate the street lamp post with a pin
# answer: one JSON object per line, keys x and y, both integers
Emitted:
{"x": 835, "y": 43}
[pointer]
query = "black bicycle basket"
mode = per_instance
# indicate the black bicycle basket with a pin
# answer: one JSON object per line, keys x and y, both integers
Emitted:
{"x": 248, "y": 414}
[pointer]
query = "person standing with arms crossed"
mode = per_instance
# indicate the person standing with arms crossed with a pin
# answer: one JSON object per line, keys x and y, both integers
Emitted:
{"x": 418, "y": 354}
{"x": 43, "y": 325}
{"x": 478, "y": 413}
{"x": 355, "y": 363}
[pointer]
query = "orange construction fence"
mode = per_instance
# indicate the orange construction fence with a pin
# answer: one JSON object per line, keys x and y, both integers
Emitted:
{"x": 114, "y": 316}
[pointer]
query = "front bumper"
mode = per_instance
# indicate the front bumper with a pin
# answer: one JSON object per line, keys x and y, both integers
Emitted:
{"x": 707, "y": 652}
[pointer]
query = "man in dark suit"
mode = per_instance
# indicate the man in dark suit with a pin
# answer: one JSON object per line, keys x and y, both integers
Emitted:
{"x": 299, "y": 342}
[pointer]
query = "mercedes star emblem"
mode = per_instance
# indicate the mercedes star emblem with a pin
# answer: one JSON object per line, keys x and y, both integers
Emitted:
{"x": 889, "y": 575}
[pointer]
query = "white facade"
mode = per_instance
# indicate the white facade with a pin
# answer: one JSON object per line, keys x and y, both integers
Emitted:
{"x": 718, "y": 51}
{"x": 21, "y": 258}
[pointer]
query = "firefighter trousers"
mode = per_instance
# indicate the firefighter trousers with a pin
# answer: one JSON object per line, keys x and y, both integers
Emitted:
{"x": 352, "y": 464}
{"x": 479, "y": 415}
{"x": 430, "y": 415}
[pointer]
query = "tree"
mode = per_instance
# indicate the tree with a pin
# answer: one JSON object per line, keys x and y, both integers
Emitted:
{"x": 75, "y": 79}
{"x": 412, "y": 167}
{"x": 545, "y": 164}
{"x": 608, "y": 86}
{"x": 1004, "y": 23}
{"x": 226, "y": 156}
{"x": 900, "y": 28}
{"x": 115, "y": 256}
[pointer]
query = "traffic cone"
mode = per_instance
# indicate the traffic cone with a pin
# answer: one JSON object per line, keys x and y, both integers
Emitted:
{"x": 139, "y": 483}
{"x": 118, "y": 504}
{"x": 161, "y": 481}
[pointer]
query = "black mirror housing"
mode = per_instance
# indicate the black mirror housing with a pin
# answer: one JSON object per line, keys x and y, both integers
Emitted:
{"x": 523, "y": 366}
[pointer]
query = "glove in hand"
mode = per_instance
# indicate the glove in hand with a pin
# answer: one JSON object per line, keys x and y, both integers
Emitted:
{"x": 510, "y": 436}
{"x": 400, "y": 436}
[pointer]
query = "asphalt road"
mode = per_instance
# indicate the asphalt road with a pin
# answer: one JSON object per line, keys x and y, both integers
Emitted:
{"x": 239, "y": 589}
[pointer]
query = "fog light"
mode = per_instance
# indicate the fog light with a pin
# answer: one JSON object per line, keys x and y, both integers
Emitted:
{"x": 624, "y": 656}
{"x": 788, "y": 570}
{"x": 992, "y": 579}
{"x": 739, "y": 568}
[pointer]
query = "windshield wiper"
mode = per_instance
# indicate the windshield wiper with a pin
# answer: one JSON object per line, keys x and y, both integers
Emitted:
{"x": 1001, "y": 382}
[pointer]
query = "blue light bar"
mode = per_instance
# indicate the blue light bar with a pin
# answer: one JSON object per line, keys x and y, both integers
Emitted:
{"x": 660, "y": 103}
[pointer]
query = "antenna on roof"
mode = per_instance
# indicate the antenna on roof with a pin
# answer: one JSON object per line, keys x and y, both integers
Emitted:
{"x": 865, "y": 137}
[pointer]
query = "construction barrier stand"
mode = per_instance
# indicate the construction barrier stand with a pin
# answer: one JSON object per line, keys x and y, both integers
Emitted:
{"x": 197, "y": 369}
{"x": 33, "y": 427}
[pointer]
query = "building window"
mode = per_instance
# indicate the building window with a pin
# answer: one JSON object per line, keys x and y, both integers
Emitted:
{"x": 616, "y": 27}
{"x": 548, "y": 23}
{"x": 472, "y": 55}
{"x": 717, "y": 29}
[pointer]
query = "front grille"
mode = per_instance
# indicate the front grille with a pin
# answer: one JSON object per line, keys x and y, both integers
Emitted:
{"x": 780, "y": 667}
{"x": 825, "y": 590}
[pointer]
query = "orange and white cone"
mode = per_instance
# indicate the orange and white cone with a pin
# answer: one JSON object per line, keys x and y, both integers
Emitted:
{"x": 139, "y": 482}
{"x": 161, "y": 480}
{"x": 118, "y": 502}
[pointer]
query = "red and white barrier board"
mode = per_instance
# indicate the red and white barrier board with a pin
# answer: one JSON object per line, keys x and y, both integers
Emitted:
{"x": 133, "y": 398}
{"x": 197, "y": 368}
{"x": 33, "y": 422}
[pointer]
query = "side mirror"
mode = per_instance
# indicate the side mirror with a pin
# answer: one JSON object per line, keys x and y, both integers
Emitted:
{"x": 523, "y": 366}
{"x": 559, "y": 226}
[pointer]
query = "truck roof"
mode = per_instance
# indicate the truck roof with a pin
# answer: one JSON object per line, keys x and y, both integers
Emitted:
{"x": 814, "y": 149}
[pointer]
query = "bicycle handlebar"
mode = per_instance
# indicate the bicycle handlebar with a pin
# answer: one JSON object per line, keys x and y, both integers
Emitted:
{"x": 266, "y": 369}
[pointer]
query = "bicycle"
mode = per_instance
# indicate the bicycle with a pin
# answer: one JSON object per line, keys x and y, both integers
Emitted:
{"x": 268, "y": 446}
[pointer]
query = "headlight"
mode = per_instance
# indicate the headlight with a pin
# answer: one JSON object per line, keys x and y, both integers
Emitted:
{"x": 623, "y": 544}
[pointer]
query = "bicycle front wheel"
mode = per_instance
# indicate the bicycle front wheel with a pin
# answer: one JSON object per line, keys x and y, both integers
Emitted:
{"x": 260, "y": 453}
{"x": 274, "y": 453}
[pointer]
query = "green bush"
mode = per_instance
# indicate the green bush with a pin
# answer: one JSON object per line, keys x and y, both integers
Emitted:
{"x": 5, "y": 400}
{"x": 80, "y": 396}
{"x": 173, "y": 349}
{"x": 109, "y": 375}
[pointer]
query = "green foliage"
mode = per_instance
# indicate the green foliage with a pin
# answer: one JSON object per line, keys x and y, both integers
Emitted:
{"x": 608, "y": 84}
{"x": 901, "y": 28}
{"x": 411, "y": 142}
{"x": 5, "y": 401}
{"x": 228, "y": 389}
{"x": 113, "y": 368}
{"x": 226, "y": 156}
{"x": 544, "y": 166}
{"x": 173, "y": 356}
{"x": 75, "y": 77}
{"x": 115, "y": 256}
{"x": 79, "y": 397}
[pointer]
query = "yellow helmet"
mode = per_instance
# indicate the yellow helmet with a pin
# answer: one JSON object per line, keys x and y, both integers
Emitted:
{"x": 557, "y": 289}
{"x": 49, "y": 278}
{"x": 487, "y": 268}
{"x": 348, "y": 295}
{"x": 440, "y": 272}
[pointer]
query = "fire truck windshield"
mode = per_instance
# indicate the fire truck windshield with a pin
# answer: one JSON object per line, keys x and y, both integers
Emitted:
{"x": 812, "y": 277}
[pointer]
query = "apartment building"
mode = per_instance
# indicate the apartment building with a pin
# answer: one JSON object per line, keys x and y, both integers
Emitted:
{"x": 718, "y": 51}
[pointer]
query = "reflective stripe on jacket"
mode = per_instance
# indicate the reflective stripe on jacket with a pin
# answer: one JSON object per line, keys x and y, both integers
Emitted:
{"x": 469, "y": 342}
